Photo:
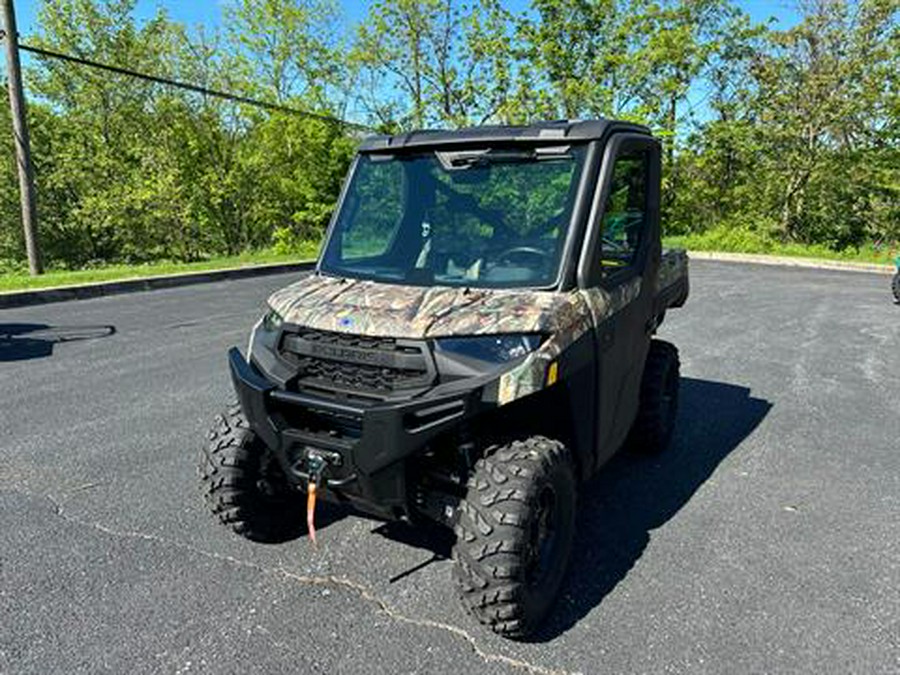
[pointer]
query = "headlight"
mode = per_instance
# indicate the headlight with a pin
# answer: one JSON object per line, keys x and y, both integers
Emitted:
{"x": 490, "y": 348}
{"x": 272, "y": 321}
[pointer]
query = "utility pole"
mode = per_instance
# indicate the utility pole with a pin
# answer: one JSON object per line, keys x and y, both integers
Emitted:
{"x": 20, "y": 131}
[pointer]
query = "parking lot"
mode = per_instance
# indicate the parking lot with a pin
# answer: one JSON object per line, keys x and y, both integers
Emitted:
{"x": 767, "y": 539}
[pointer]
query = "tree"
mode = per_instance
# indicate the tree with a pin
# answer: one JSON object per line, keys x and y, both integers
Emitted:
{"x": 682, "y": 38}
{"x": 131, "y": 171}
{"x": 435, "y": 62}
{"x": 291, "y": 50}
{"x": 718, "y": 156}
{"x": 826, "y": 121}
{"x": 578, "y": 48}
{"x": 12, "y": 246}
{"x": 96, "y": 138}
{"x": 769, "y": 134}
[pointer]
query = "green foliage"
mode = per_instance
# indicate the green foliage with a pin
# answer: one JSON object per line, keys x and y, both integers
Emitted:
{"x": 427, "y": 62}
{"x": 130, "y": 172}
{"x": 11, "y": 241}
{"x": 289, "y": 49}
{"x": 739, "y": 238}
{"x": 773, "y": 138}
{"x": 796, "y": 131}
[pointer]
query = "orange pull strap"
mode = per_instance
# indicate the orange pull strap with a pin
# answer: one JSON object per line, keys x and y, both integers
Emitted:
{"x": 311, "y": 511}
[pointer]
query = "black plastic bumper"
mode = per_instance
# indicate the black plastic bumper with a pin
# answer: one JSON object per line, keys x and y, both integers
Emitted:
{"x": 371, "y": 470}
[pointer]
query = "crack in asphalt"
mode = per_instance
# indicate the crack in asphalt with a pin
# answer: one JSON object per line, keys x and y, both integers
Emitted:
{"x": 359, "y": 589}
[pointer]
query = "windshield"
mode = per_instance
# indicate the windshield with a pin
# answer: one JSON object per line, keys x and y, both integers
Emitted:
{"x": 487, "y": 218}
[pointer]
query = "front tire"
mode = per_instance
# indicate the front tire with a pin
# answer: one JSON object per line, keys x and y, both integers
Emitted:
{"x": 895, "y": 287}
{"x": 514, "y": 534}
{"x": 243, "y": 485}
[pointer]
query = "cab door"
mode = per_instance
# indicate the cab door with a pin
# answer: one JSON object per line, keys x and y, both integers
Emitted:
{"x": 617, "y": 273}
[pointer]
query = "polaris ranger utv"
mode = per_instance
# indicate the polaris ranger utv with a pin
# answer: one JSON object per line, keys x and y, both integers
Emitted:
{"x": 476, "y": 340}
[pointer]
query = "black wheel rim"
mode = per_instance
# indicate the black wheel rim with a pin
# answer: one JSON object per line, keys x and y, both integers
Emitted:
{"x": 544, "y": 538}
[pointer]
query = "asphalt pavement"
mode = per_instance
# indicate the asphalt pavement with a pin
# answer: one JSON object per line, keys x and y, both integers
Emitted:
{"x": 767, "y": 539}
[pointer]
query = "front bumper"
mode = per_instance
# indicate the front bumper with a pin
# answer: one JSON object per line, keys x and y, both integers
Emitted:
{"x": 372, "y": 441}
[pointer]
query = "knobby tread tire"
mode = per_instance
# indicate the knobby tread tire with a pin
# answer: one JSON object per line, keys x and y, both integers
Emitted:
{"x": 492, "y": 534}
{"x": 230, "y": 472}
{"x": 652, "y": 430}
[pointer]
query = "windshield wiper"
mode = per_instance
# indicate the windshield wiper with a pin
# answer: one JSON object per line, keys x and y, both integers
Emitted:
{"x": 493, "y": 158}
{"x": 466, "y": 159}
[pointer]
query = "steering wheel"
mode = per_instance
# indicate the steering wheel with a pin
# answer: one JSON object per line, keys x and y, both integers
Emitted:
{"x": 519, "y": 250}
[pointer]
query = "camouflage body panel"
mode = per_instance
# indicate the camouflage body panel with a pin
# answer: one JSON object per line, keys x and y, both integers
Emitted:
{"x": 594, "y": 306}
{"x": 672, "y": 266}
{"x": 363, "y": 307}
{"x": 604, "y": 303}
{"x": 530, "y": 376}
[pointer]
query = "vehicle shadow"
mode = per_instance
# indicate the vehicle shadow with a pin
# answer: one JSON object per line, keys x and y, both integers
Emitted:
{"x": 24, "y": 341}
{"x": 632, "y": 495}
{"x": 427, "y": 536}
{"x": 635, "y": 494}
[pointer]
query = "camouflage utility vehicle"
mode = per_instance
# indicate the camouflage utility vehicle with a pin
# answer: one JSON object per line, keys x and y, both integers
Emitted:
{"x": 475, "y": 341}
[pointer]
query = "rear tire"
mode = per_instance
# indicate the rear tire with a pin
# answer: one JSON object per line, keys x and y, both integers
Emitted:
{"x": 243, "y": 485}
{"x": 655, "y": 421}
{"x": 514, "y": 535}
{"x": 895, "y": 287}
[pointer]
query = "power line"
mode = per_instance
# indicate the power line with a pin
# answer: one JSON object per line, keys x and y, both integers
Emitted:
{"x": 189, "y": 87}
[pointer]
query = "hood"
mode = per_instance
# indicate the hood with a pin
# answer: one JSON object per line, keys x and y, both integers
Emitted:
{"x": 414, "y": 312}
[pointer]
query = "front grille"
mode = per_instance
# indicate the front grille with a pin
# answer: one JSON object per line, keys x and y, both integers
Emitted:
{"x": 356, "y": 362}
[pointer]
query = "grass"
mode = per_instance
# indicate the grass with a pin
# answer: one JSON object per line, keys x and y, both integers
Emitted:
{"x": 720, "y": 241}
{"x": 20, "y": 281}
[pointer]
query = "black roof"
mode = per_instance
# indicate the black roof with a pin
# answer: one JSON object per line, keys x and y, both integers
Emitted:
{"x": 539, "y": 132}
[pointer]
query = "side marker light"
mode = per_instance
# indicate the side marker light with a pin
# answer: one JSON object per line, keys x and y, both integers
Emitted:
{"x": 552, "y": 373}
